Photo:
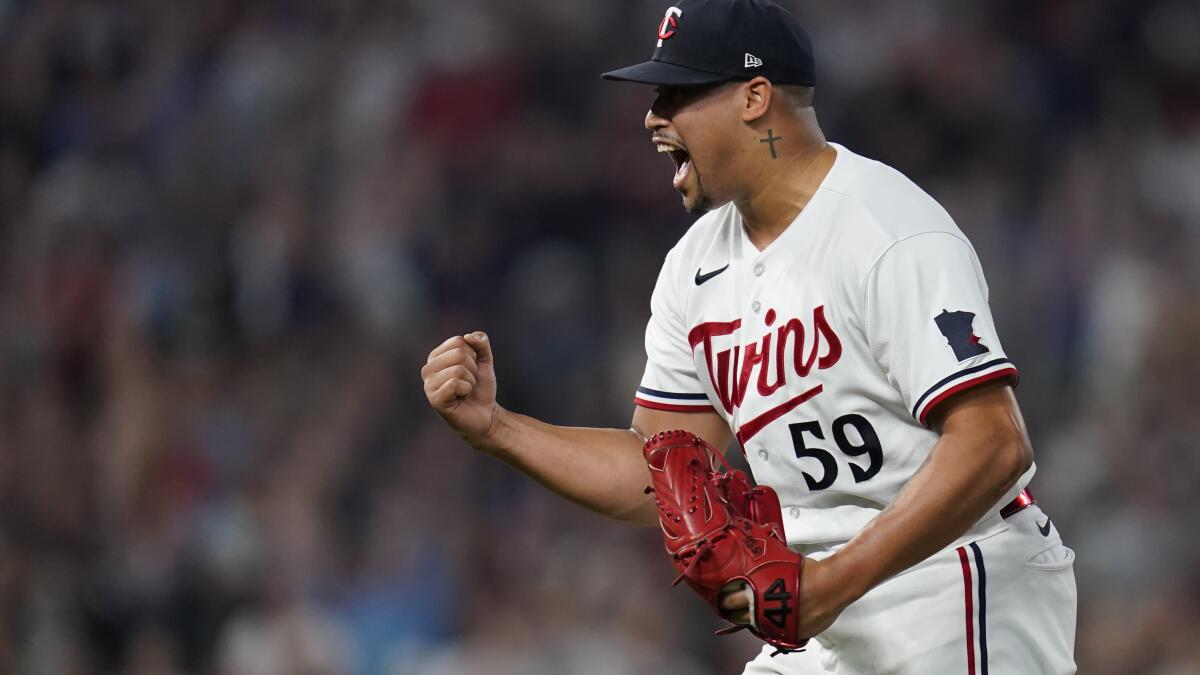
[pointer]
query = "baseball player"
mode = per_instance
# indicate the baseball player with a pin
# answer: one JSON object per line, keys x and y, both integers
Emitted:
{"x": 830, "y": 316}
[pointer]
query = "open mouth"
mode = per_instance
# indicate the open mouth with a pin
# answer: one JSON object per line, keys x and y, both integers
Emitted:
{"x": 680, "y": 157}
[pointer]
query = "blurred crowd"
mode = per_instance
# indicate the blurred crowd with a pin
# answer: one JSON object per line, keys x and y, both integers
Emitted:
{"x": 230, "y": 232}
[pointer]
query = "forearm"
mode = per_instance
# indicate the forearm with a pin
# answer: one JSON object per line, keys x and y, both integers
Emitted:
{"x": 951, "y": 493}
{"x": 600, "y": 469}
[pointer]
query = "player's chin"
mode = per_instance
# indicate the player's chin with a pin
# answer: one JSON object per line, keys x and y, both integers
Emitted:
{"x": 696, "y": 205}
{"x": 695, "y": 201}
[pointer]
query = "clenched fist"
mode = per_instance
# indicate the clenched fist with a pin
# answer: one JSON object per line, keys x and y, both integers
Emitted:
{"x": 460, "y": 384}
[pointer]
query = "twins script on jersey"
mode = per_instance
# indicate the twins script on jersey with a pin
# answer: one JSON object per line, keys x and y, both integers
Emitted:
{"x": 827, "y": 351}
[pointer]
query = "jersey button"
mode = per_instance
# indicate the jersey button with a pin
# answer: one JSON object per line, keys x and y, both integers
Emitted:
{"x": 764, "y": 455}
{"x": 759, "y": 269}
{"x": 829, "y": 660}
{"x": 756, "y": 305}
{"x": 794, "y": 512}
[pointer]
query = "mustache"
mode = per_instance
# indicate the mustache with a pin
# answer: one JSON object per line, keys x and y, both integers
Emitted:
{"x": 656, "y": 137}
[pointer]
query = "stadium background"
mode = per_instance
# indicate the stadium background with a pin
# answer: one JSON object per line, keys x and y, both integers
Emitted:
{"x": 230, "y": 233}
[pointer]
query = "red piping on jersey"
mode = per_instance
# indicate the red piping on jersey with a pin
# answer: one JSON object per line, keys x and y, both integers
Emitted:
{"x": 988, "y": 377}
{"x": 671, "y": 407}
{"x": 966, "y": 569}
{"x": 747, "y": 430}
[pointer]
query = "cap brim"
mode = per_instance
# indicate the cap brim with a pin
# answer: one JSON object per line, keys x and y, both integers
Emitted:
{"x": 658, "y": 72}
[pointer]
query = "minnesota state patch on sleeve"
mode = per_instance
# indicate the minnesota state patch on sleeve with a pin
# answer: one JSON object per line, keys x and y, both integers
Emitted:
{"x": 959, "y": 329}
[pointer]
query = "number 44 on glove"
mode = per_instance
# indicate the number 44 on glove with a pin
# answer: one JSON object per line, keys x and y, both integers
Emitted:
{"x": 719, "y": 531}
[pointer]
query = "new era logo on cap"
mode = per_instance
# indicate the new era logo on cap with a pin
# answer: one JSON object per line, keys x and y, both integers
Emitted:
{"x": 752, "y": 61}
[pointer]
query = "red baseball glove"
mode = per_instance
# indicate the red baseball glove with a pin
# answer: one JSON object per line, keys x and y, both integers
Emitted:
{"x": 718, "y": 530}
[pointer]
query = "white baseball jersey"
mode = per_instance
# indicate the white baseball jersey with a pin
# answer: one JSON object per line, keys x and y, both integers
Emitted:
{"x": 827, "y": 351}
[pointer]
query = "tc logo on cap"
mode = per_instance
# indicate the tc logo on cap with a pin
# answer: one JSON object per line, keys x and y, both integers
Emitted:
{"x": 670, "y": 21}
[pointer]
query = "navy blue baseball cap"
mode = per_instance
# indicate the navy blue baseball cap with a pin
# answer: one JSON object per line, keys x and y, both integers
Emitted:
{"x": 711, "y": 41}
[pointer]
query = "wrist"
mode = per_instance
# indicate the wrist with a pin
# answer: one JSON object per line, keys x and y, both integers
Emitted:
{"x": 848, "y": 577}
{"x": 498, "y": 436}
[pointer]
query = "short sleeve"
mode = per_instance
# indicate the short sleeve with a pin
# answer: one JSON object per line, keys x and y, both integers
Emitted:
{"x": 928, "y": 323}
{"x": 670, "y": 381}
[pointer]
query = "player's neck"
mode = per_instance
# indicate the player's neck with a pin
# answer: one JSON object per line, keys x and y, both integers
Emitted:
{"x": 783, "y": 186}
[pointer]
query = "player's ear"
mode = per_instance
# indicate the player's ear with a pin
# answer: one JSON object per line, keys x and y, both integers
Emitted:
{"x": 756, "y": 100}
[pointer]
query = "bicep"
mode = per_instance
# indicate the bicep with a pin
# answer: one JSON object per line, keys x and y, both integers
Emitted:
{"x": 986, "y": 406}
{"x": 986, "y": 417}
{"x": 706, "y": 424}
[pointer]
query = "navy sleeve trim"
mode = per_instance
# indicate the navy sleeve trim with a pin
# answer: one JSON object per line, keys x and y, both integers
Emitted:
{"x": 666, "y": 394}
{"x": 959, "y": 375}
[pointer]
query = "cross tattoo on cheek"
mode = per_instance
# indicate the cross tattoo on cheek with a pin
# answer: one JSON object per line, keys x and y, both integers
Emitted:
{"x": 771, "y": 138}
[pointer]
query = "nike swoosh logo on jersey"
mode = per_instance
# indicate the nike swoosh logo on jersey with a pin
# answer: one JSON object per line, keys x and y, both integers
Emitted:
{"x": 701, "y": 278}
{"x": 1045, "y": 529}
